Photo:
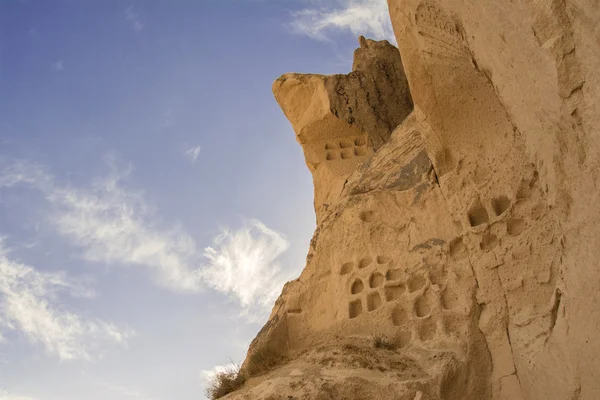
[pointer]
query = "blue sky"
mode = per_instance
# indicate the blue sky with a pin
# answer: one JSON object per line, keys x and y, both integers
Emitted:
{"x": 153, "y": 199}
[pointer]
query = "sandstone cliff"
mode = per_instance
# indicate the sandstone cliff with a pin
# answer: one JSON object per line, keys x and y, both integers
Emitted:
{"x": 456, "y": 250}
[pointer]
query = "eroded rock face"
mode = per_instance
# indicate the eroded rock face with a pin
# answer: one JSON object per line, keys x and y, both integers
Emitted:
{"x": 340, "y": 120}
{"x": 509, "y": 98}
{"x": 466, "y": 233}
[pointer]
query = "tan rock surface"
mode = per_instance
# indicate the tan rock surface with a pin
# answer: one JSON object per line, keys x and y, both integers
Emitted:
{"x": 341, "y": 119}
{"x": 465, "y": 231}
{"x": 514, "y": 112}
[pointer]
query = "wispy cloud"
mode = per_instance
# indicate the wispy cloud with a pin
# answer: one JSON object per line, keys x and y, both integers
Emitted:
{"x": 6, "y": 395}
{"x": 243, "y": 263}
{"x": 124, "y": 391}
{"x": 59, "y": 65}
{"x": 113, "y": 224}
{"x": 193, "y": 153}
{"x": 29, "y": 304}
{"x": 134, "y": 19}
{"x": 360, "y": 17}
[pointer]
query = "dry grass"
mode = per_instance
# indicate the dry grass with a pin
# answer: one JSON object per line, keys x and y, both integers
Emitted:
{"x": 232, "y": 378}
{"x": 383, "y": 342}
{"x": 350, "y": 347}
{"x": 224, "y": 382}
{"x": 262, "y": 361}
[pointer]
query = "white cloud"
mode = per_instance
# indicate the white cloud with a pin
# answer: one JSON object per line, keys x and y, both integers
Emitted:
{"x": 193, "y": 153}
{"x": 124, "y": 391}
{"x": 19, "y": 171}
{"x": 58, "y": 65}
{"x": 115, "y": 225}
{"x": 360, "y": 17}
{"x": 29, "y": 303}
{"x": 244, "y": 264}
{"x": 5, "y": 395}
{"x": 134, "y": 20}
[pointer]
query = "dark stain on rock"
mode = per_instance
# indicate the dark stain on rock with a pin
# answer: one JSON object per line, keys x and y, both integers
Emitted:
{"x": 412, "y": 174}
{"x": 419, "y": 190}
{"x": 429, "y": 244}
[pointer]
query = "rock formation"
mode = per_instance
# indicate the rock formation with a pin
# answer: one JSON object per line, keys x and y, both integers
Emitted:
{"x": 342, "y": 119}
{"x": 457, "y": 246}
